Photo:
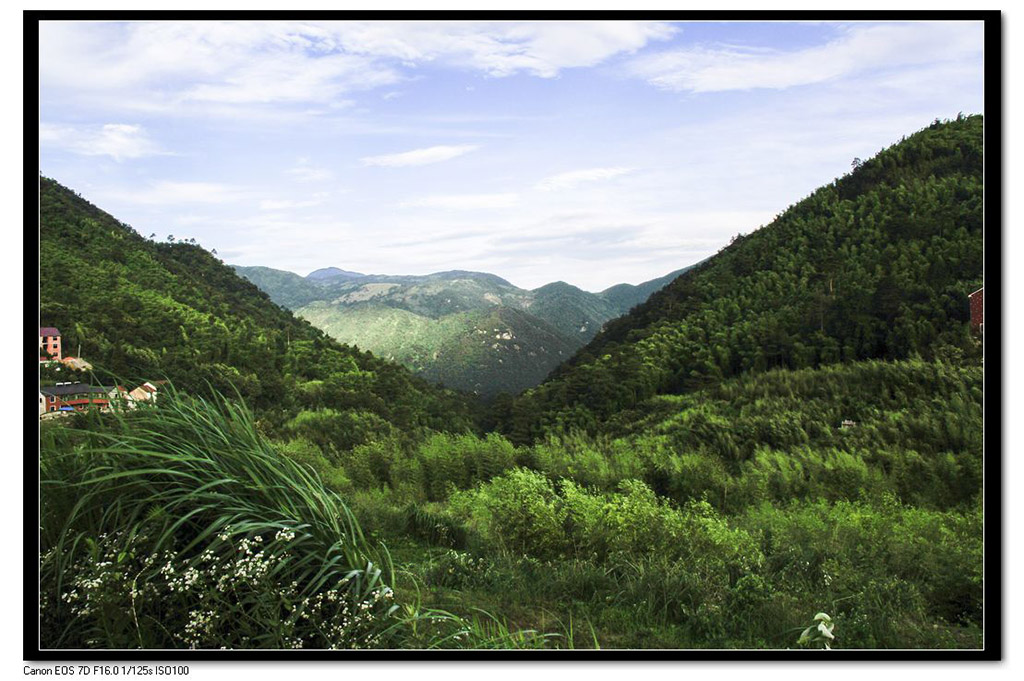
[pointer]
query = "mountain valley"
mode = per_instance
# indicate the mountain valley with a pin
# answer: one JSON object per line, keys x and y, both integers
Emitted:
{"x": 471, "y": 331}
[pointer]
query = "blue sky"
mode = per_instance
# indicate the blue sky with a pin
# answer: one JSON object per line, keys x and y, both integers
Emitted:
{"x": 594, "y": 153}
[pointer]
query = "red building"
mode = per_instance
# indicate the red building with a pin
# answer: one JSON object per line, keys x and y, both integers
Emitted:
{"x": 49, "y": 343}
{"x": 977, "y": 309}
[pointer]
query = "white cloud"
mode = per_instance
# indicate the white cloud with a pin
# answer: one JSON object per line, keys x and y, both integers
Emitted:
{"x": 499, "y": 48}
{"x": 419, "y": 157}
{"x": 464, "y": 201}
{"x": 272, "y": 205}
{"x": 214, "y": 67}
{"x": 860, "y": 48}
{"x": 176, "y": 193}
{"x": 305, "y": 171}
{"x": 293, "y": 77}
{"x": 117, "y": 140}
{"x": 574, "y": 178}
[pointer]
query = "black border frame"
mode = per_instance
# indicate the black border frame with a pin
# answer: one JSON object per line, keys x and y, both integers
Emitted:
{"x": 993, "y": 617}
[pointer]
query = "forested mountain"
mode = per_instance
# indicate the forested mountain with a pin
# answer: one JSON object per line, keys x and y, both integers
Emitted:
{"x": 624, "y": 297}
{"x": 876, "y": 265}
{"x": 290, "y": 290}
{"x": 485, "y": 351}
{"x": 435, "y": 324}
{"x": 145, "y": 310}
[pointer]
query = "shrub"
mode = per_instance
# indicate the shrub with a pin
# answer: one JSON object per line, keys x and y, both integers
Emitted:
{"x": 459, "y": 461}
{"x": 518, "y": 511}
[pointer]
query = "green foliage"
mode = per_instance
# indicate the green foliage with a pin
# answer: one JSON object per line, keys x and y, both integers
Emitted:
{"x": 847, "y": 550}
{"x": 309, "y": 454}
{"x": 518, "y": 512}
{"x": 819, "y": 632}
{"x": 525, "y": 513}
{"x": 779, "y": 435}
{"x": 334, "y": 430}
{"x": 720, "y": 517}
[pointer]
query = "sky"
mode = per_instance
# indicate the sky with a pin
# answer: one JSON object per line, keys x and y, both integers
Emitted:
{"x": 589, "y": 152}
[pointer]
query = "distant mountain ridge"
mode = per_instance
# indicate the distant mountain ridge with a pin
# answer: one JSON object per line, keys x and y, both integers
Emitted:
{"x": 331, "y": 274}
{"x": 434, "y": 323}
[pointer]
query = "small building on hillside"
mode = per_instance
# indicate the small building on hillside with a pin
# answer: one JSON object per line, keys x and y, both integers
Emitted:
{"x": 49, "y": 344}
{"x": 120, "y": 397}
{"x": 144, "y": 393}
{"x": 76, "y": 363}
{"x": 977, "y": 310}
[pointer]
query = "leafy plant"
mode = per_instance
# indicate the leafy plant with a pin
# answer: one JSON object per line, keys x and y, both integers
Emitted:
{"x": 819, "y": 632}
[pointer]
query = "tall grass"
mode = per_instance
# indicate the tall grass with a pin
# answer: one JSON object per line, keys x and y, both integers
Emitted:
{"x": 192, "y": 507}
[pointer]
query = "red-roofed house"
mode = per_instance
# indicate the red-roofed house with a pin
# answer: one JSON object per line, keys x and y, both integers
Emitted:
{"x": 144, "y": 393}
{"x": 49, "y": 343}
{"x": 76, "y": 396}
{"x": 977, "y": 309}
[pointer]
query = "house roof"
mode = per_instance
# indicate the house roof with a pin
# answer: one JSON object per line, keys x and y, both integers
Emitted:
{"x": 48, "y": 331}
{"x": 976, "y": 292}
{"x": 72, "y": 389}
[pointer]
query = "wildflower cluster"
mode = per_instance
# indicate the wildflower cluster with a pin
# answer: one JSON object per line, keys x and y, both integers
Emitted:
{"x": 100, "y": 576}
{"x": 100, "y": 585}
{"x": 457, "y": 568}
{"x": 236, "y": 593}
{"x": 347, "y": 623}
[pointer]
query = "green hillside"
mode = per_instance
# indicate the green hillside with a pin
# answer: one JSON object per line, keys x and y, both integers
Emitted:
{"x": 876, "y": 265}
{"x": 501, "y": 349}
{"x": 290, "y": 290}
{"x": 484, "y": 351}
{"x": 432, "y": 295}
{"x": 576, "y": 313}
{"x": 392, "y": 333}
{"x": 145, "y": 310}
{"x": 624, "y": 297}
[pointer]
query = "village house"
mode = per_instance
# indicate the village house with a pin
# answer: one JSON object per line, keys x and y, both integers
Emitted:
{"x": 144, "y": 393}
{"x": 120, "y": 397}
{"x": 49, "y": 344}
{"x": 72, "y": 396}
{"x": 76, "y": 363}
{"x": 977, "y": 310}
